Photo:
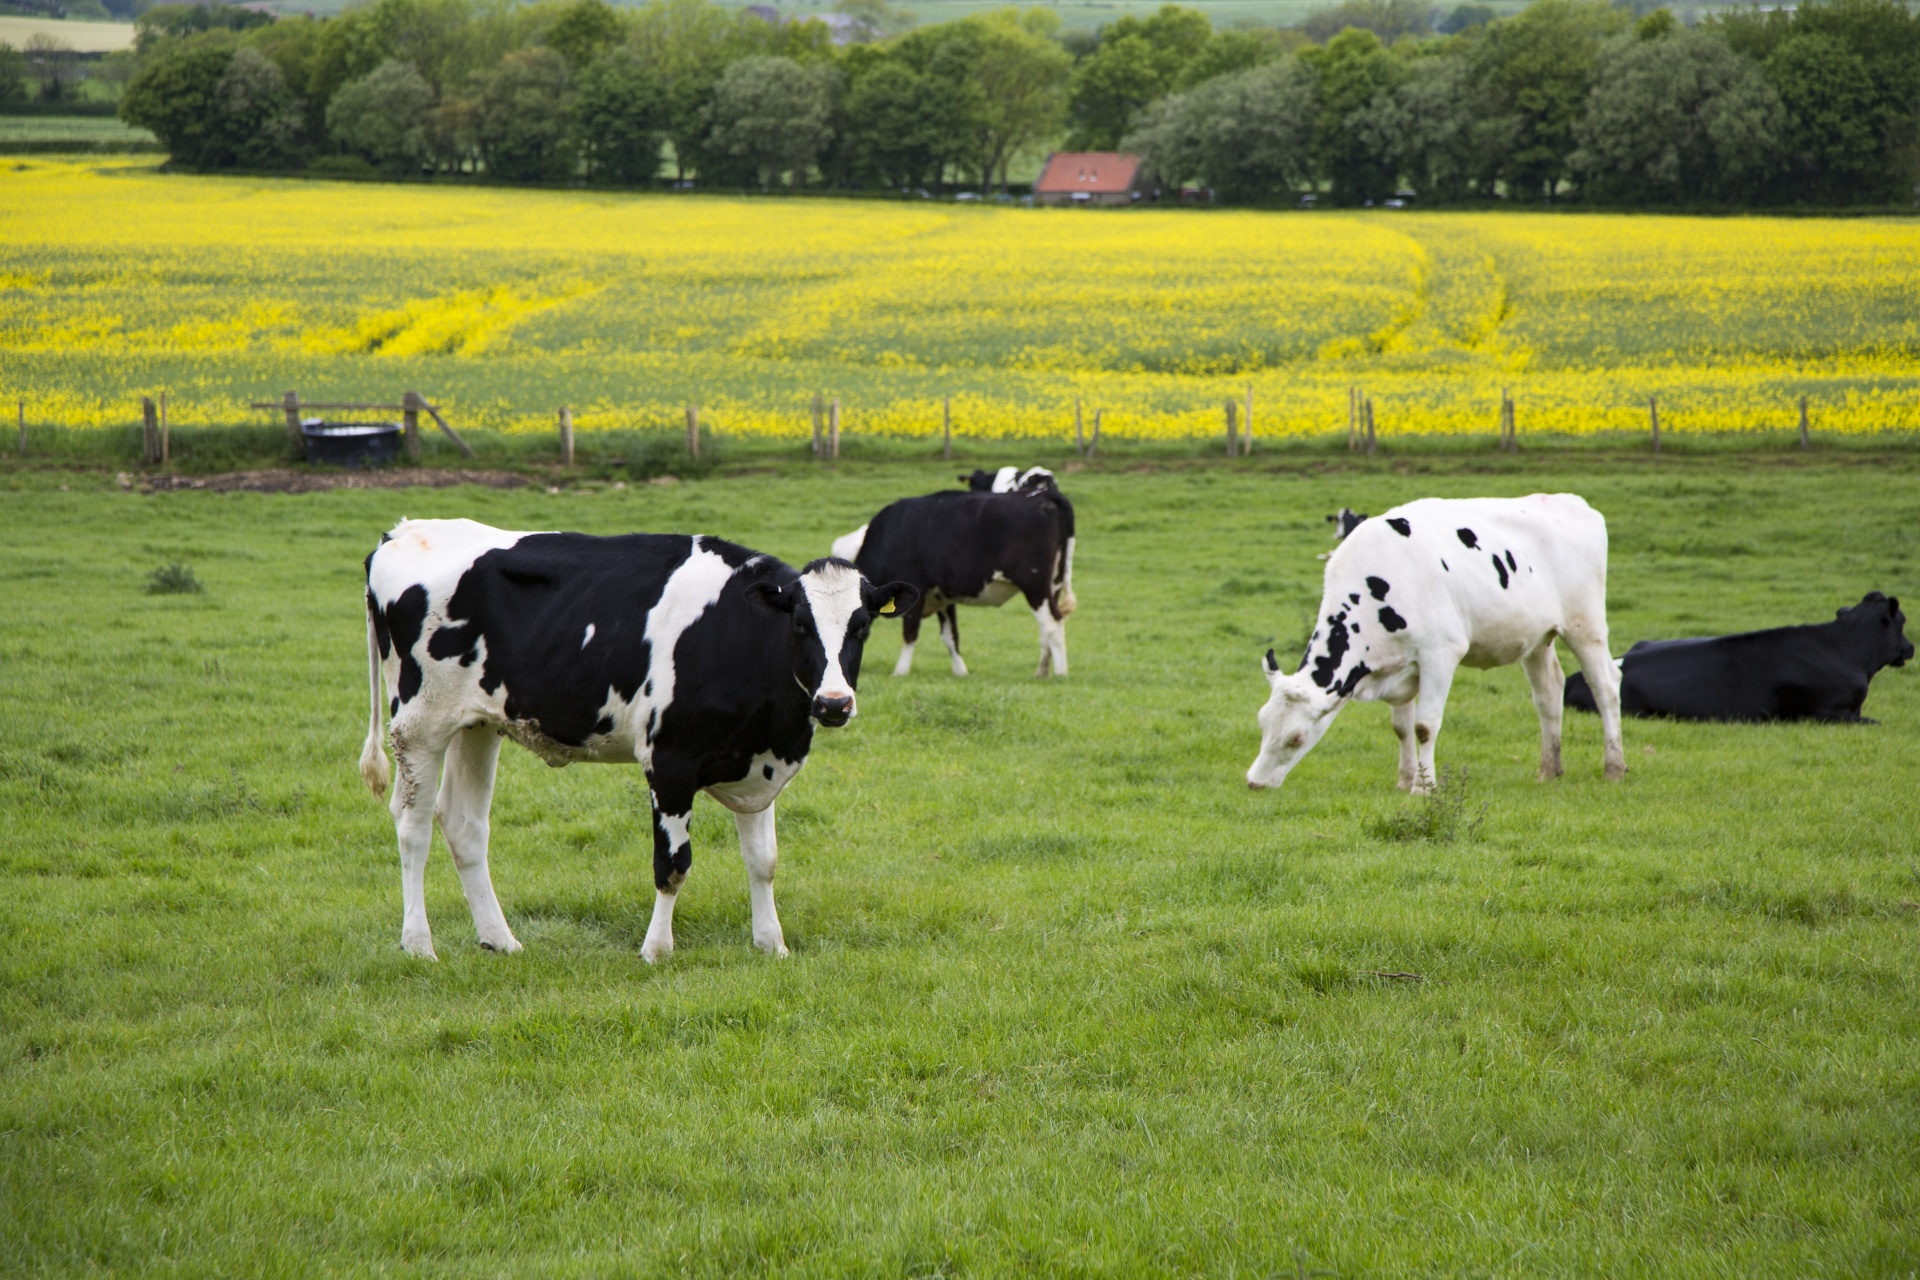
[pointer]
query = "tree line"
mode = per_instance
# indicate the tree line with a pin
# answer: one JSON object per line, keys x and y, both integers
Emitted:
{"x": 1568, "y": 99}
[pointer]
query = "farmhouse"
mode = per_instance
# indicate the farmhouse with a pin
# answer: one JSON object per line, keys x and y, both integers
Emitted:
{"x": 1092, "y": 177}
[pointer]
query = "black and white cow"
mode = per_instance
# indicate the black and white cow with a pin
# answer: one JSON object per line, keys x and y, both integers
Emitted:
{"x": 1817, "y": 672}
{"x": 1009, "y": 480}
{"x": 1429, "y": 587}
{"x": 701, "y": 661}
{"x": 978, "y": 547}
{"x": 1345, "y": 521}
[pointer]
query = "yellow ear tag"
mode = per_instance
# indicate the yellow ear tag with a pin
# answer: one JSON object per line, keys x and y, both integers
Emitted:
{"x": 887, "y": 607}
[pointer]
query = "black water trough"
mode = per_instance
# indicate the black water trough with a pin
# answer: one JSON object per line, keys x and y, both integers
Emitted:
{"x": 350, "y": 444}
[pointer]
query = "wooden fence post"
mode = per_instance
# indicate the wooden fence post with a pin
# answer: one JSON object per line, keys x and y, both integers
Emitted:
{"x": 1246, "y": 427}
{"x": 1233, "y": 436}
{"x": 1353, "y": 419}
{"x": 1079, "y": 441}
{"x": 833, "y": 430}
{"x": 1803, "y": 429}
{"x": 166, "y": 439}
{"x": 1653, "y": 414}
{"x": 566, "y": 436}
{"x": 819, "y": 411}
{"x": 291, "y": 403}
{"x": 149, "y": 431}
{"x": 1094, "y": 443}
{"x": 23, "y": 428}
{"x": 693, "y": 431}
{"x": 410, "y": 423}
{"x": 1368, "y": 413}
{"x": 946, "y": 428}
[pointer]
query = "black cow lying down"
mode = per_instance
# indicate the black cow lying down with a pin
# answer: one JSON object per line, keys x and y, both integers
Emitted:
{"x": 1817, "y": 672}
{"x": 1005, "y": 535}
{"x": 701, "y": 661}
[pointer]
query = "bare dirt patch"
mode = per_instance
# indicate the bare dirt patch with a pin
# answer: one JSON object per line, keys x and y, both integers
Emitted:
{"x": 285, "y": 480}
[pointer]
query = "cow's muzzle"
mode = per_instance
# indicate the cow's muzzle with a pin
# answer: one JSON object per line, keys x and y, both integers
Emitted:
{"x": 833, "y": 712}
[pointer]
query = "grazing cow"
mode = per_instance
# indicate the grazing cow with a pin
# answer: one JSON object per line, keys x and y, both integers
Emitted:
{"x": 978, "y": 547}
{"x": 1431, "y": 586}
{"x": 1345, "y": 521}
{"x": 1009, "y": 480}
{"x": 701, "y": 661}
{"x": 1817, "y": 672}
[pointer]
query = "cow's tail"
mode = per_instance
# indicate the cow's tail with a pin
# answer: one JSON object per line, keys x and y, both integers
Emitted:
{"x": 373, "y": 757}
{"x": 1063, "y": 601}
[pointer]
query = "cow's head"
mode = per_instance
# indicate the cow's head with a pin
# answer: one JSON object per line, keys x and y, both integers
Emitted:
{"x": 1881, "y": 613}
{"x": 831, "y": 608}
{"x": 1297, "y": 713}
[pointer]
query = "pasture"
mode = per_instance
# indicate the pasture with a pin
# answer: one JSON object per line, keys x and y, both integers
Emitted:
{"x": 1065, "y": 997}
{"x": 117, "y": 281}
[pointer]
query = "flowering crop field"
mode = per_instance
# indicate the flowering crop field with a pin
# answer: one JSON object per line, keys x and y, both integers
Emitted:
{"x": 502, "y": 305}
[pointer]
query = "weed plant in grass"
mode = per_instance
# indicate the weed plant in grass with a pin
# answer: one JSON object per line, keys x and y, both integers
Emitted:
{"x": 1065, "y": 996}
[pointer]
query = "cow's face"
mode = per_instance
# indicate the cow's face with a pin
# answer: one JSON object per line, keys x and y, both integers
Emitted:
{"x": 831, "y": 608}
{"x": 1297, "y": 713}
{"x": 1881, "y": 614}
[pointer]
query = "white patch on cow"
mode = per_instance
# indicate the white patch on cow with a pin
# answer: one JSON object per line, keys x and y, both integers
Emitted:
{"x": 587, "y": 639}
{"x": 1006, "y": 479}
{"x": 905, "y": 665}
{"x": 847, "y": 545}
{"x": 767, "y": 776}
{"x": 998, "y": 590}
{"x": 693, "y": 589}
{"x": 952, "y": 641}
{"x": 760, "y": 851}
{"x": 1053, "y": 642}
{"x": 833, "y": 594}
{"x": 659, "y": 939}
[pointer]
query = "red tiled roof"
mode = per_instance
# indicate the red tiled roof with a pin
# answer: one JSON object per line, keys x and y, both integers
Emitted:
{"x": 1095, "y": 172}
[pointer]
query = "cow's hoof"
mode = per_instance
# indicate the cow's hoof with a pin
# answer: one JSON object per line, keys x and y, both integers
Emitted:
{"x": 419, "y": 946}
{"x": 1615, "y": 772}
{"x": 1546, "y": 774}
{"x": 775, "y": 947}
{"x": 505, "y": 946}
{"x": 654, "y": 954}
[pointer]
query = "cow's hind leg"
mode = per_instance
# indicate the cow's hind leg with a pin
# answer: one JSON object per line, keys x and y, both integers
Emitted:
{"x": 950, "y": 636}
{"x": 672, "y": 859}
{"x": 759, "y": 850}
{"x": 1053, "y": 641}
{"x": 416, "y": 768}
{"x": 909, "y": 636}
{"x": 1549, "y": 688}
{"x": 1429, "y": 709}
{"x": 466, "y": 798}
{"x": 1603, "y": 678}
{"x": 1409, "y": 755}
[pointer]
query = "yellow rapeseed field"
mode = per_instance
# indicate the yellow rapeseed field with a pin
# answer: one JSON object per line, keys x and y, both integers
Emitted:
{"x": 118, "y": 281}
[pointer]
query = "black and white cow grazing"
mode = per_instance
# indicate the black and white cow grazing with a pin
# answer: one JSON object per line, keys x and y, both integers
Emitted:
{"x": 1818, "y": 672}
{"x": 1009, "y": 480}
{"x": 1435, "y": 585}
{"x": 699, "y": 660}
{"x": 978, "y": 547}
{"x": 1345, "y": 521}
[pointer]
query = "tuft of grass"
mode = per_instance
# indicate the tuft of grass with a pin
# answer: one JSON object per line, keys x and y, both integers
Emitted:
{"x": 1439, "y": 817}
{"x": 175, "y": 579}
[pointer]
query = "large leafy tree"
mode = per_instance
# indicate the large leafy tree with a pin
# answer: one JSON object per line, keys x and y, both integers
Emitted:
{"x": 1540, "y": 65}
{"x": 522, "y": 125}
{"x": 904, "y": 125}
{"x": 1248, "y": 136}
{"x": 774, "y": 115}
{"x": 1354, "y": 69}
{"x": 383, "y": 116}
{"x": 620, "y": 112}
{"x": 1021, "y": 74}
{"x": 1438, "y": 128}
{"x": 215, "y": 104}
{"x": 1137, "y": 62}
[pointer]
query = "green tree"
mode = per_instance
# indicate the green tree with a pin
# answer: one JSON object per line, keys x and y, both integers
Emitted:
{"x": 584, "y": 30}
{"x": 1438, "y": 129}
{"x": 1022, "y": 76}
{"x": 216, "y": 105}
{"x": 13, "y": 75}
{"x": 1137, "y": 61}
{"x": 1228, "y": 52}
{"x": 1387, "y": 19}
{"x": 383, "y": 116}
{"x": 904, "y": 126}
{"x": 1354, "y": 69}
{"x": 1678, "y": 116}
{"x": 686, "y": 44}
{"x": 1540, "y": 65}
{"x": 774, "y": 115}
{"x": 620, "y": 113}
{"x": 1832, "y": 143}
{"x": 1248, "y": 136}
{"x": 521, "y": 125}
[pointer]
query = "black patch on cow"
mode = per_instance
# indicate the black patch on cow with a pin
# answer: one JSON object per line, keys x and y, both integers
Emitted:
{"x": 1360, "y": 672}
{"x": 766, "y": 771}
{"x": 393, "y": 706}
{"x": 1500, "y": 569}
{"x": 460, "y": 640}
{"x": 1354, "y": 627}
{"x": 379, "y": 621}
{"x": 1443, "y": 567}
{"x": 1511, "y": 564}
{"x": 1353, "y": 597}
{"x": 1422, "y": 733}
{"x": 1329, "y": 662}
{"x": 1467, "y": 539}
{"x": 1379, "y": 588}
{"x": 603, "y": 726}
{"x": 1400, "y": 526}
{"x": 404, "y": 618}
{"x": 1391, "y": 620}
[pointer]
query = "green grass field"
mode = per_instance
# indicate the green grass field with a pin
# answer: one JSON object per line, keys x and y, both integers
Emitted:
{"x": 23, "y": 134}
{"x": 1065, "y": 998}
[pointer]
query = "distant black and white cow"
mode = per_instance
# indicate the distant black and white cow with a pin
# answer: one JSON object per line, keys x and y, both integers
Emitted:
{"x": 1429, "y": 587}
{"x": 1009, "y": 480}
{"x": 978, "y": 547}
{"x": 1345, "y": 521}
{"x": 1817, "y": 672}
{"x": 699, "y": 660}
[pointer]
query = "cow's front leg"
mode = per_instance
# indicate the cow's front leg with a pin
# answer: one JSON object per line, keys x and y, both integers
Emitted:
{"x": 760, "y": 850}
{"x": 1549, "y": 690}
{"x": 1429, "y": 709}
{"x": 1409, "y": 756}
{"x": 416, "y": 771}
{"x": 909, "y": 636}
{"x": 950, "y": 636}
{"x": 672, "y": 859}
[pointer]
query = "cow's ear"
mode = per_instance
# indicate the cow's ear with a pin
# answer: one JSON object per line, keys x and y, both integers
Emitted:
{"x": 772, "y": 596}
{"x": 895, "y": 597}
{"x": 1271, "y": 667}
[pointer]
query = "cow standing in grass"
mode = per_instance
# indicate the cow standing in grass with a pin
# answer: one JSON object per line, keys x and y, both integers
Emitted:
{"x": 701, "y": 661}
{"x": 1413, "y": 595}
